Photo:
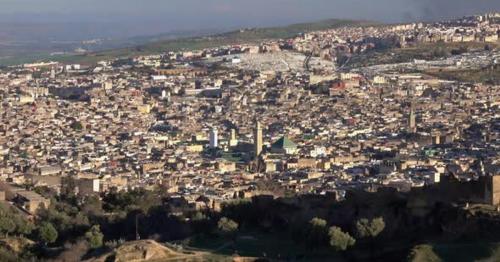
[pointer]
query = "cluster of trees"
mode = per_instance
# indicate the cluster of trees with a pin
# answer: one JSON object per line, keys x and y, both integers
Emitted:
{"x": 80, "y": 226}
{"x": 11, "y": 222}
{"x": 47, "y": 233}
{"x": 227, "y": 226}
{"x": 313, "y": 234}
{"x": 72, "y": 221}
{"x": 340, "y": 240}
{"x": 318, "y": 233}
{"x": 46, "y": 230}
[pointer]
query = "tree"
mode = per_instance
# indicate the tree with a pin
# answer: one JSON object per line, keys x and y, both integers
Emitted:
{"x": 425, "y": 253}
{"x": 68, "y": 186}
{"x": 94, "y": 237}
{"x": 47, "y": 233}
{"x": 366, "y": 228}
{"x": 200, "y": 223}
{"x": 317, "y": 234}
{"x": 92, "y": 206}
{"x": 370, "y": 229}
{"x": 77, "y": 125}
{"x": 12, "y": 222}
{"x": 339, "y": 240}
{"x": 7, "y": 225}
{"x": 23, "y": 227}
{"x": 8, "y": 255}
{"x": 198, "y": 216}
{"x": 227, "y": 226}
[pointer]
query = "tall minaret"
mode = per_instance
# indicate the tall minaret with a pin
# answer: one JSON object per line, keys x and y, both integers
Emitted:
{"x": 257, "y": 136}
{"x": 213, "y": 138}
{"x": 233, "y": 141}
{"x": 52, "y": 73}
{"x": 488, "y": 102}
{"x": 412, "y": 123}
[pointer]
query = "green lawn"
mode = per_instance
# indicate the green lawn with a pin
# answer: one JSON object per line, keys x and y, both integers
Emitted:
{"x": 256, "y": 244}
{"x": 475, "y": 251}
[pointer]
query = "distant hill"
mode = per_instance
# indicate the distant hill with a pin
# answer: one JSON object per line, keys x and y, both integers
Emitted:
{"x": 292, "y": 30}
{"x": 193, "y": 43}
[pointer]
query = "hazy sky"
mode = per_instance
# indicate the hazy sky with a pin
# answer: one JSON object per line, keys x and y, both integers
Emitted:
{"x": 166, "y": 15}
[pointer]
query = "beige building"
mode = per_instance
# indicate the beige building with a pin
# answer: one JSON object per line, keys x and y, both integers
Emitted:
{"x": 30, "y": 201}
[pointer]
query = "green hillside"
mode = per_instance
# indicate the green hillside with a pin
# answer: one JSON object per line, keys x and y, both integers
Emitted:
{"x": 194, "y": 43}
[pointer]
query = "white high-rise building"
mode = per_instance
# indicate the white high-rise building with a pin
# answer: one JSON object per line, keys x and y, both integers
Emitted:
{"x": 213, "y": 138}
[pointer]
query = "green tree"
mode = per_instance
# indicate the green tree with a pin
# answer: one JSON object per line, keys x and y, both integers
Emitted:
{"x": 92, "y": 206}
{"x": 200, "y": 223}
{"x": 132, "y": 200}
{"x": 47, "y": 233}
{"x": 23, "y": 227}
{"x": 424, "y": 253}
{"x": 77, "y": 125}
{"x": 94, "y": 237}
{"x": 317, "y": 234}
{"x": 7, "y": 225}
{"x": 370, "y": 228}
{"x": 340, "y": 240}
{"x": 7, "y": 255}
{"x": 13, "y": 222}
{"x": 227, "y": 226}
{"x": 198, "y": 216}
{"x": 68, "y": 186}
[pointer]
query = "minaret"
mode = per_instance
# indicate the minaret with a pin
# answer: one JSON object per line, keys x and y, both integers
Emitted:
{"x": 52, "y": 73}
{"x": 257, "y": 136}
{"x": 233, "y": 141}
{"x": 488, "y": 102}
{"x": 412, "y": 124}
{"x": 213, "y": 138}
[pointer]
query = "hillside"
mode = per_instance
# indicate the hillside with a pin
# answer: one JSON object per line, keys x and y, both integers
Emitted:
{"x": 150, "y": 250}
{"x": 193, "y": 43}
{"x": 143, "y": 250}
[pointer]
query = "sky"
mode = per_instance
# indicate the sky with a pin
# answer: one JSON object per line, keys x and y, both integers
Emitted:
{"x": 155, "y": 16}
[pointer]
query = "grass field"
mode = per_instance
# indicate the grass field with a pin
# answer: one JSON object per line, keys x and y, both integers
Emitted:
{"x": 278, "y": 246}
{"x": 476, "y": 251}
{"x": 256, "y": 244}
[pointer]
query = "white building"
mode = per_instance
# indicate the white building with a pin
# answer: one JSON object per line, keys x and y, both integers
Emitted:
{"x": 213, "y": 138}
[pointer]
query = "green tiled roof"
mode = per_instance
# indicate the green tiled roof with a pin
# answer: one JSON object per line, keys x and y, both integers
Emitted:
{"x": 284, "y": 143}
